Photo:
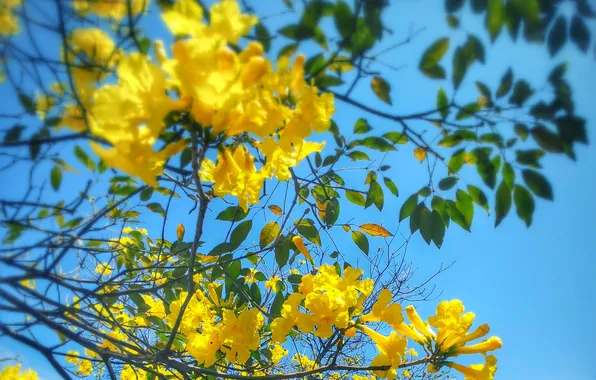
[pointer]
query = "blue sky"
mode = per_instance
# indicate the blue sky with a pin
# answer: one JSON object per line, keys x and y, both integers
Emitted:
{"x": 533, "y": 286}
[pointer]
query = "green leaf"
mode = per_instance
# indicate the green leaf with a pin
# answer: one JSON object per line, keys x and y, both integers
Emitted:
{"x": 391, "y": 186}
{"x": 146, "y": 194}
{"x": 375, "y": 196}
{"x": 438, "y": 229}
{"x": 479, "y": 6}
{"x": 487, "y": 171}
{"x": 234, "y": 269}
{"x": 408, "y": 207}
{"x": 241, "y": 232}
{"x": 263, "y": 36}
{"x": 506, "y": 83}
{"x": 144, "y": 45}
{"x": 547, "y": 140}
{"x": 451, "y": 141}
{"x": 443, "y": 103}
{"x": 287, "y": 50}
{"x": 465, "y": 205}
{"x": 557, "y": 35}
{"x": 278, "y": 301}
{"x": 524, "y": 203}
{"x": 362, "y": 126}
{"x": 222, "y": 248}
{"x": 361, "y": 241}
{"x": 457, "y": 160}
{"x": 282, "y": 252}
{"x": 344, "y": 19}
{"x": 84, "y": 158}
{"x": 572, "y": 129}
{"x": 447, "y": 183}
{"x": 306, "y": 228}
{"x": 396, "y": 137}
{"x": 355, "y": 197}
{"x": 415, "y": 218}
{"x": 538, "y": 184}
{"x": 495, "y": 17}
{"x": 426, "y": 223}
{"x": 331, "y": 211}
{"x": 478, "y": 197}
{"x": 460, "y": 66}
{"x": 521, "y": 93}
{"x": 474, "y": 50}
{"x": 13, "y": 134}
{"x": 27, "y": 103}
{"x": 579, "y": 33}
{"x": 325, "y": 81}
{"x": 457, "y": 216}
{"x": 424, "y": 192}
{"x": 522, "y": 131}
{"x": 434, "y": 72}
{"x": 453, "y": 5}
{"x": 508, "y": 174}
{"x": 452, "y": 21}
{"x": 156, "y": 208}
{"x": 357, "y": 155}
{"x": 502, "y": 202}
{"x": 376, "y": 143}
{"x": 468, "y": 110}
{"x": 381, "y": 88}
{"x": 56, "y": 177}
{"x": 268, "y": 234}
{"x": 232, "y": 214}
{"x": 434, "y": 53}
{"x": 484, "y": 90}
{"x": 297, "y": 32}
{"x": 529, "y": 157}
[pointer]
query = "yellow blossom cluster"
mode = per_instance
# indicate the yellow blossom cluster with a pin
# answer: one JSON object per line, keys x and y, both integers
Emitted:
{"x": 15, "y": 373}
{"x": 9, "y": 22}
{"x": 329, "y": 300}
{"x": 111, "y": 9}
{"x": 230, "y": 93}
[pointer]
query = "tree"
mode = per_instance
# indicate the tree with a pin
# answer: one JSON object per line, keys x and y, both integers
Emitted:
{"x": 113, "y": 131}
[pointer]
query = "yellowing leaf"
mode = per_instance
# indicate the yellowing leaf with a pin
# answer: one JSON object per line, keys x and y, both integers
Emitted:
{"x": 341, "y": 64}
{"x": 420, "y": 154}
{"x": 276, "y": 209}
{"x": 381, "y": 88}
{"x": 375, "y": 230}
{"x": 346, "y": 227}
{"x": 180, "y": 231}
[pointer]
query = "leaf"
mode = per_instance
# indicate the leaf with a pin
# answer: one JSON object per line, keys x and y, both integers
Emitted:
{"x": 547, "y": 140}
{"x": 434, "y": 72}
{"x": 376, "y": 143}
{"x": 332, "y": 208}
{"x": 434, "y": 53}
{"x": 282, "y": 252}
{"x": 375, "y": 230}
{"x": 465, "y": 205}
{"x": 415, "y": 218}
{"x": 502, "y": 202}
{"x": 494, "y": 17}
{"x": 508, "y": 174}
{"x": 232, "y": 214}
{"x": 484, "y": 90}
{"x": 355, "y": 197}
{"x": 276, "y": 209}
{"x": 521, "y": 92}
{"x": 156, "y": 208}
{"x": 396, "y": 137}
{"x": 276, "y": 305}
{"x": 453, "y": 5}
{"x": 579, "y": 33}
{"x": 457, "y": 216}
{"x": 381, "y": 88}
{"x": 241, "y": 232}
{"x": 146, "y": 194}
{"x": 572, "y": 129}
{"x": 391, "y": 186}
{"x": 529, "y": 157}
{"x": 443, "y": 103}
{"x": 420, "y": 154}
{"x": 13, "y": 134}
{"x": 344, "y": 19}
{"x": 361, "y": 241}
{"x": 426, "y": 223}
{"x": 84, "y": 158}
{"x": 408, "y": 207}
{"x": 357, "y": 155}
{"x": 506, "y": 83}
{"x": 460, "y": 66}
{"x": 456, "y": 161}
{"x": 522, "y": 131}
{"x": 557, "y": 36}
{"x": 538, "y": 184}
{"x": 375, "y": 196}
{"x": 468, "y": 110}
{"x": 268, "y": 234}
{"x": 438, "y": 229}
{"x": 362, "y": 126}
{"x": 56, "y": 177}
{"x": 451, "y": 141}
{"x": 447, "y": 183}
{"x": 452, "y": 21}
{"x": 306, "y": 227}
{"x": 263, "y": 36}
{"x": 487, "y": 171}
{"x": 325, "y": 81}
{"x": 478, "y": 197}
{"x": 524, "y": 203}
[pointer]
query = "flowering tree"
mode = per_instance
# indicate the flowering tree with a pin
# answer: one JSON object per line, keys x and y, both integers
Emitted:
{"x": 115, "y": 125}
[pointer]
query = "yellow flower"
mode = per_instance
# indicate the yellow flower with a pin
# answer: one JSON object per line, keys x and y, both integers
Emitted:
{"x": 28, "y": 283}
{"x": 9, "y": 23}
{"x": 250, "y": 277}
{"x": 103, "y": 269}
{"x": 382, "y": 311}
{"x": 394, "y": 345}
{"x": 227, "y": 21}
{"x": 304, "y": 363}
{"x": 241, "y": 333}
{"x": 113, "y": 9}
{"x": 299, "y": 243}
{"x": 381, "y": 360}
{"x": 184, "y": 18}
{"x": 277, "y": 353}
{"x": 43, "y": 105}
{"x": 95, "y": 44}
{"x": 272, "y": 283}
{"x": 132, "y": 373}
{"x": 478, "y": 371}
{"x": 418, "y": 323}
{"x": 451, "y": 322}
{"x": 285, "y": 154}
{"x": 14, "y": 373}
{"x": 491, "y": 344}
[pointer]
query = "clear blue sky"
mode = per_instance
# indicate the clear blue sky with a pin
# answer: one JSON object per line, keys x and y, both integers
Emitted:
{"x": 533, "y": 286}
